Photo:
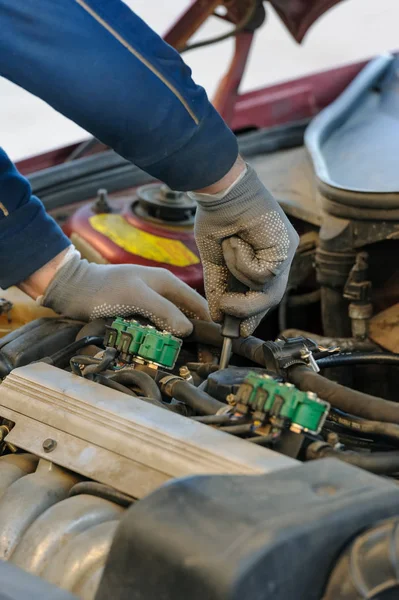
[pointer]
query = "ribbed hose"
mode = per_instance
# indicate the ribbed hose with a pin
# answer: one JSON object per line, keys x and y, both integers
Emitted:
{"x": 368, "y": 568}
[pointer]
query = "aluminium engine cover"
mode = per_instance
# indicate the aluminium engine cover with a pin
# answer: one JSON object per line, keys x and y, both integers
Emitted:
{"x": 116, "y": 439}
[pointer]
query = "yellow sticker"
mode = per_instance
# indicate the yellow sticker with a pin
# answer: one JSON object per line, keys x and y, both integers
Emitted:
{"x": 138, "y": 242}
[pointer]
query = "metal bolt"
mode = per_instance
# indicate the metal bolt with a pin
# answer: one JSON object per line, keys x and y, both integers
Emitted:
{"x": 185, "y": 373}
{"x": 231, "y": 399}
{"x": 101, "y": 205}
{"x": 333, "y": 438}
{"x": 49, "y": 445}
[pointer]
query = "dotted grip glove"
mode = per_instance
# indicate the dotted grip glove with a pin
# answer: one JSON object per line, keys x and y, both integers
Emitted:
{"x": 247, "y": 233}
{"x": 87, "y": 291}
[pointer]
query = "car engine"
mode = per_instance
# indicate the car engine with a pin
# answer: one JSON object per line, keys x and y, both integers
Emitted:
{"x": 100, "y": 419}
{"x": 133, "y": 466}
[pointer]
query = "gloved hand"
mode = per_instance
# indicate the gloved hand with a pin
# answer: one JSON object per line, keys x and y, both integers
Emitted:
{"x": 87, "y": 291}
{"x": 247, "y": 233}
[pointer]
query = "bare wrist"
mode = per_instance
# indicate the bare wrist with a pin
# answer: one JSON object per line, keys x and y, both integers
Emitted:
{"x": 38, "y": 282}
{"x": 226, "y": 181}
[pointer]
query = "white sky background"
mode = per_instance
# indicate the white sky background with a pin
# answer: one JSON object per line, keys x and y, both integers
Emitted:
{"x": 352, "y": 30}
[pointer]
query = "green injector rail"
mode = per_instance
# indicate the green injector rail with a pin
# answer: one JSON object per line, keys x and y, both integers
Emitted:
{"x": 266, "y": 399}
{"x": 134, "y": 340}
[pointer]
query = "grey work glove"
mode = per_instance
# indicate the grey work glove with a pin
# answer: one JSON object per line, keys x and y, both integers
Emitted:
{"x": 247, "y": 233}
{"x": 87, "y": 291}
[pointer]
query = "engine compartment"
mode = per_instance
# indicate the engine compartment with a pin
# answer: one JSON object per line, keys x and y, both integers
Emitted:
{"x": 100, "y": 418}
{"x": 130, "y": 463}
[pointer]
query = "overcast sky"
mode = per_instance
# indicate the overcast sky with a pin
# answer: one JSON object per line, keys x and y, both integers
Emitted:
{"x": 353, "y": 30}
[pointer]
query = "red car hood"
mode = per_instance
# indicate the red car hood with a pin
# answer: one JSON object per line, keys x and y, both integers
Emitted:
{"x": 299, "y": 15}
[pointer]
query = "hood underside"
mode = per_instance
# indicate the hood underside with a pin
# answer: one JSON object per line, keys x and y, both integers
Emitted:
{"x": 299, "y": 15}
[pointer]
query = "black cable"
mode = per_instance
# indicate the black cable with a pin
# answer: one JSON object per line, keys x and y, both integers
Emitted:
{"x": 225, "y": 36}
{"x": 101, "y": 491}
{"x": 139, "y": 379}
{"x": 358, "y": 358}
{"x": 62, "y": 357}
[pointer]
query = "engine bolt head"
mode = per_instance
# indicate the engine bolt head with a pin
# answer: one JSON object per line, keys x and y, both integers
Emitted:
{"x": 49, "y": 445}
{"x": 231, "y": 399}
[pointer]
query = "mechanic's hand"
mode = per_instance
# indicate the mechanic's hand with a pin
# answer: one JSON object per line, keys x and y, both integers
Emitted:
{"x": 87, "y": 291}
{"x": 247, "y": 233}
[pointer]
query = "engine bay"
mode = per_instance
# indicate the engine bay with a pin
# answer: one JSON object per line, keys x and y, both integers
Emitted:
{"x": 132, "y": 465}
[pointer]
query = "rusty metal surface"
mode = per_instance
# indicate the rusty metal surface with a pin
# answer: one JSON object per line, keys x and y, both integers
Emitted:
{"x": 189, "y": 22}
{"x": 384, "y": 328}
{"x": 227, "y": 92}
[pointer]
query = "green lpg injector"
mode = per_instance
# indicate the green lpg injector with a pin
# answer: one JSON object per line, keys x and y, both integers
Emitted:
{"x": 143, "y": 343}
{"x": 267, "y": 400}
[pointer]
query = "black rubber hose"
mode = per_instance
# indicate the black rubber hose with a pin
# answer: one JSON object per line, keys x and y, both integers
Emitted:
{"x": 198, "y": 400}
{"x": 103, "y": 380}
{"x": 62, "y": 357}
{"x": 143, "y": 381}
{"x": 214, "y": 419}
{"x": 304, "y": 299}
{"x": 103, "y": 364}
{"x": 101, "y": 491}
{"x": 264, "y": 440}
{"x": 238, "y": 429}
{"x": 367, "y": 568}
{"x": 358, "y": 358}
{"x": 364, "y": 426}
{"x": 380, "y": 463}
{"x": 82, "y": 359}
{"x": 209, "y": 334}
{"x": 345, "y": 399}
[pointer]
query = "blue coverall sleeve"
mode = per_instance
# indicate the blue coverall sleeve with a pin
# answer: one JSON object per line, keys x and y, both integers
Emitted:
{"x": 29, "y": 238}
{"x": 98, "y": 63}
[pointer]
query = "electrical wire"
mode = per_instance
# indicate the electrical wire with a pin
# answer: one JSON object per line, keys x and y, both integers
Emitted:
{"x": 245, "y": 21}
{"x": 62, "y": 357}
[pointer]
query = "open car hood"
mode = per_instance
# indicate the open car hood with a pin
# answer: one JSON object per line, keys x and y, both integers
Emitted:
{"x": 299, "y": 15}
